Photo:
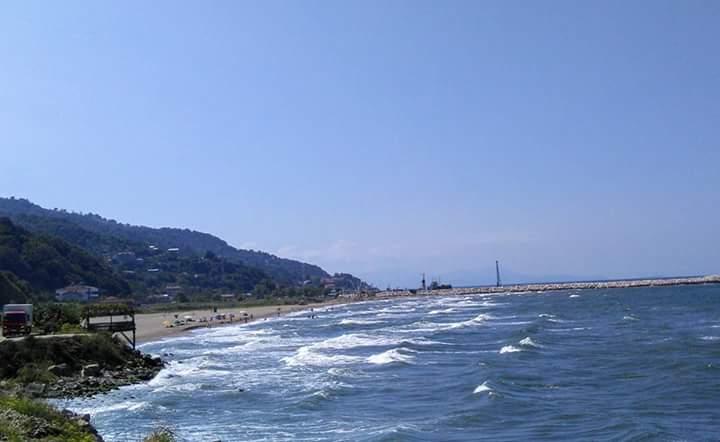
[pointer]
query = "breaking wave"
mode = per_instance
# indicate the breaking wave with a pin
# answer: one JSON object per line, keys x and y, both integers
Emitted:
{"x": 528, "y": 342}
{"x": 391, "y": 356}
{"x": 359, "y": 322}
{"x": 482, "y": 388}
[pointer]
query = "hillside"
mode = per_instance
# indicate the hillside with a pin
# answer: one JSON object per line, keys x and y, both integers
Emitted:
{"x": 11, "y": 289}
{"x": 102, "y": 236}
{"x": 46, "y": 263}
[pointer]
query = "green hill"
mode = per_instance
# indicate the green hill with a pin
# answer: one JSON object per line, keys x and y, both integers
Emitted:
{"x": 102, "y": 236}
{"x": 46, "y": 263}
{"x": 11, "y": 289}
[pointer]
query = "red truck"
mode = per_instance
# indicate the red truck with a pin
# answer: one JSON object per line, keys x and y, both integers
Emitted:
{"x": 17, "y": 319}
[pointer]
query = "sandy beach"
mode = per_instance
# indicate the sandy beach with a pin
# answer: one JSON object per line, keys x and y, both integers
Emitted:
{"x": 151, "y": 326}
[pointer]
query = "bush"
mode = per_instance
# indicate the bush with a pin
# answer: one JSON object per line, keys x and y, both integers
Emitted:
{"x": 52, "y": 317}
{"x": 35, "y": 373}
{"x": 161, "y": 435}
{"x": 61, "y": 427}
{"x": 74, "y": 351}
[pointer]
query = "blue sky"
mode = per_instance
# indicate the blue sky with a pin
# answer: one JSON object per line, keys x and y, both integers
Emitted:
{"x": 382, "y": 138}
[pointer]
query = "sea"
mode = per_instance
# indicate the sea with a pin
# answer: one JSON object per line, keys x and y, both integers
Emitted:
{"x": 622, "y": 364}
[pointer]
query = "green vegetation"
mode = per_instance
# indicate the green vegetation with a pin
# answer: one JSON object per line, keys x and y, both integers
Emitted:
{"x": 12, "y": 290}
{"x": 122, "y": 259}
{"x": 28, "y": 357}
{"x": 57, "y": 317}
{"x": 161, "y": 435}
{"x": 47, "y": 263}
{"x": 101, "y": 236}
{"x": 23, "y": 419}
{"x": 196, "y": 274}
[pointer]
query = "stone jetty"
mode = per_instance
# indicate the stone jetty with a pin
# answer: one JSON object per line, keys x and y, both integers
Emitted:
{"x": 548, "y": 287}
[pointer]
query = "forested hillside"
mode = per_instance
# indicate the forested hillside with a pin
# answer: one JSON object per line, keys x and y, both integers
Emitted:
{"x": 11, "y": 289}
{"x": 47, "y": 263}
{"x": 104, "y": 236}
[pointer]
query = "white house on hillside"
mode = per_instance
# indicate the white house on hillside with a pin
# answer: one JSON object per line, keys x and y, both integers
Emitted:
{"x": 77, "y": 293}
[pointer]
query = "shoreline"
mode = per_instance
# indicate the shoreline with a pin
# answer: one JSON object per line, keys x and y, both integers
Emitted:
{"x": 150, "y": 327}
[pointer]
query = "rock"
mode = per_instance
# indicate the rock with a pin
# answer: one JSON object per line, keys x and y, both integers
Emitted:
{"x": 91, "y": 370}
{"x": 60, "y": 370}
{"x": 35, "y": 389}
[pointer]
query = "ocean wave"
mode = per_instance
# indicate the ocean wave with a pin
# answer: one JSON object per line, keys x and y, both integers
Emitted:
{"x": 479, "y": 319}
{"x": 574, "y": 296}
{"x": 354, "y": 340}
{"x": 482, "y": 388}
{"x": 126, "y": 405}
{"x": 710, "y": 338}
{"x": 509, "y": 349}
{"x": 630, "y": 318}
{"x": 528, "y": 342}
{"x": 545, "y": 315}
{"x": 305, "y": 356}
{"x": 359, "y": 322}
{"x": 431, "y": 327}
{"x": 437, "y": 312}
{"x": 390, "y": 356}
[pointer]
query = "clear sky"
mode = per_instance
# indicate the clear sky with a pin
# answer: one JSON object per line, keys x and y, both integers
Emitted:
{"x": 382, "y": 138}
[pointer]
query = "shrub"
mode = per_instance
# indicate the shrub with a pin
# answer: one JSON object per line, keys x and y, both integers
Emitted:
{"x": 163, "y": 434}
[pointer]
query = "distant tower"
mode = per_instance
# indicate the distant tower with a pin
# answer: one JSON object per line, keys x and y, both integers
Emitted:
{"x": 424, "y": 287}
{"x": 497, "y": 273}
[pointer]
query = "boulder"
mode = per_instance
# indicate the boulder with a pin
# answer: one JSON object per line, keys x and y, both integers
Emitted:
{"x": 91, "y": 370}
{"x": 35, "y": 389}
{"x": 60, "y": 370}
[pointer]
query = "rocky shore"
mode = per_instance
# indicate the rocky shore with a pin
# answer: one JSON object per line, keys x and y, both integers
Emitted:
{"x": 94, "y": 379}
{"x": 65, "y": 367}
{"x": 547, "y": 287}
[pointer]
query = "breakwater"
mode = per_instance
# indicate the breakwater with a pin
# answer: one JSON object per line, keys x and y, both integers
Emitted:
{"x": 558, "y": 286}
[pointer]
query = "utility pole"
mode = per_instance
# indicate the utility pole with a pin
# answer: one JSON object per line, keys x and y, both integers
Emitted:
{"x": 497, "y": 273}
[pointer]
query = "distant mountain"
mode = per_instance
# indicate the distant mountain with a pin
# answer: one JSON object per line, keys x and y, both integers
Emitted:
{"x": 104, "y": 237}
{"x": 46, "y": 263}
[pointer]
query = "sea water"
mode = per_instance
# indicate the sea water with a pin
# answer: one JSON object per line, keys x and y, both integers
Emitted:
{"x": 591, "y": 365}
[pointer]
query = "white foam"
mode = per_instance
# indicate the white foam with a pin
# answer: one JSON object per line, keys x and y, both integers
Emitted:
{"x": 353, "y": 340}
{"x": 305, "y": 356}
{"x": 482, "y": 388}
{"x": 479, "y": 319}
{"x": 509, "y": 349}
{"x": 545, "y": 315}
{"x": 390, "y": 356}
{"x": 127, "y": 405}
{"x": 359, "y": 322}
{"x": 574, "y": 296}
{"x": 710, "y": 338}
{"x": 437, "y": 312}
{"x": 630, "y": 318}
{"x": 528, "y": 342}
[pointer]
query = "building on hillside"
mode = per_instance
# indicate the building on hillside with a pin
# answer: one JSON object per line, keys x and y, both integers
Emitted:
{"x": 160, "y": 299}
{"x": 124, "y": 258}
{"x": 77, "y": 293}
{"x": 173, "y": 290}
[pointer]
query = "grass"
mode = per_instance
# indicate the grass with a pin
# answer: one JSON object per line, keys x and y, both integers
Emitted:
{"x": 59, "y": 427}
{"x": 25, "y": 360}
{"x": 161, "y": 435}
